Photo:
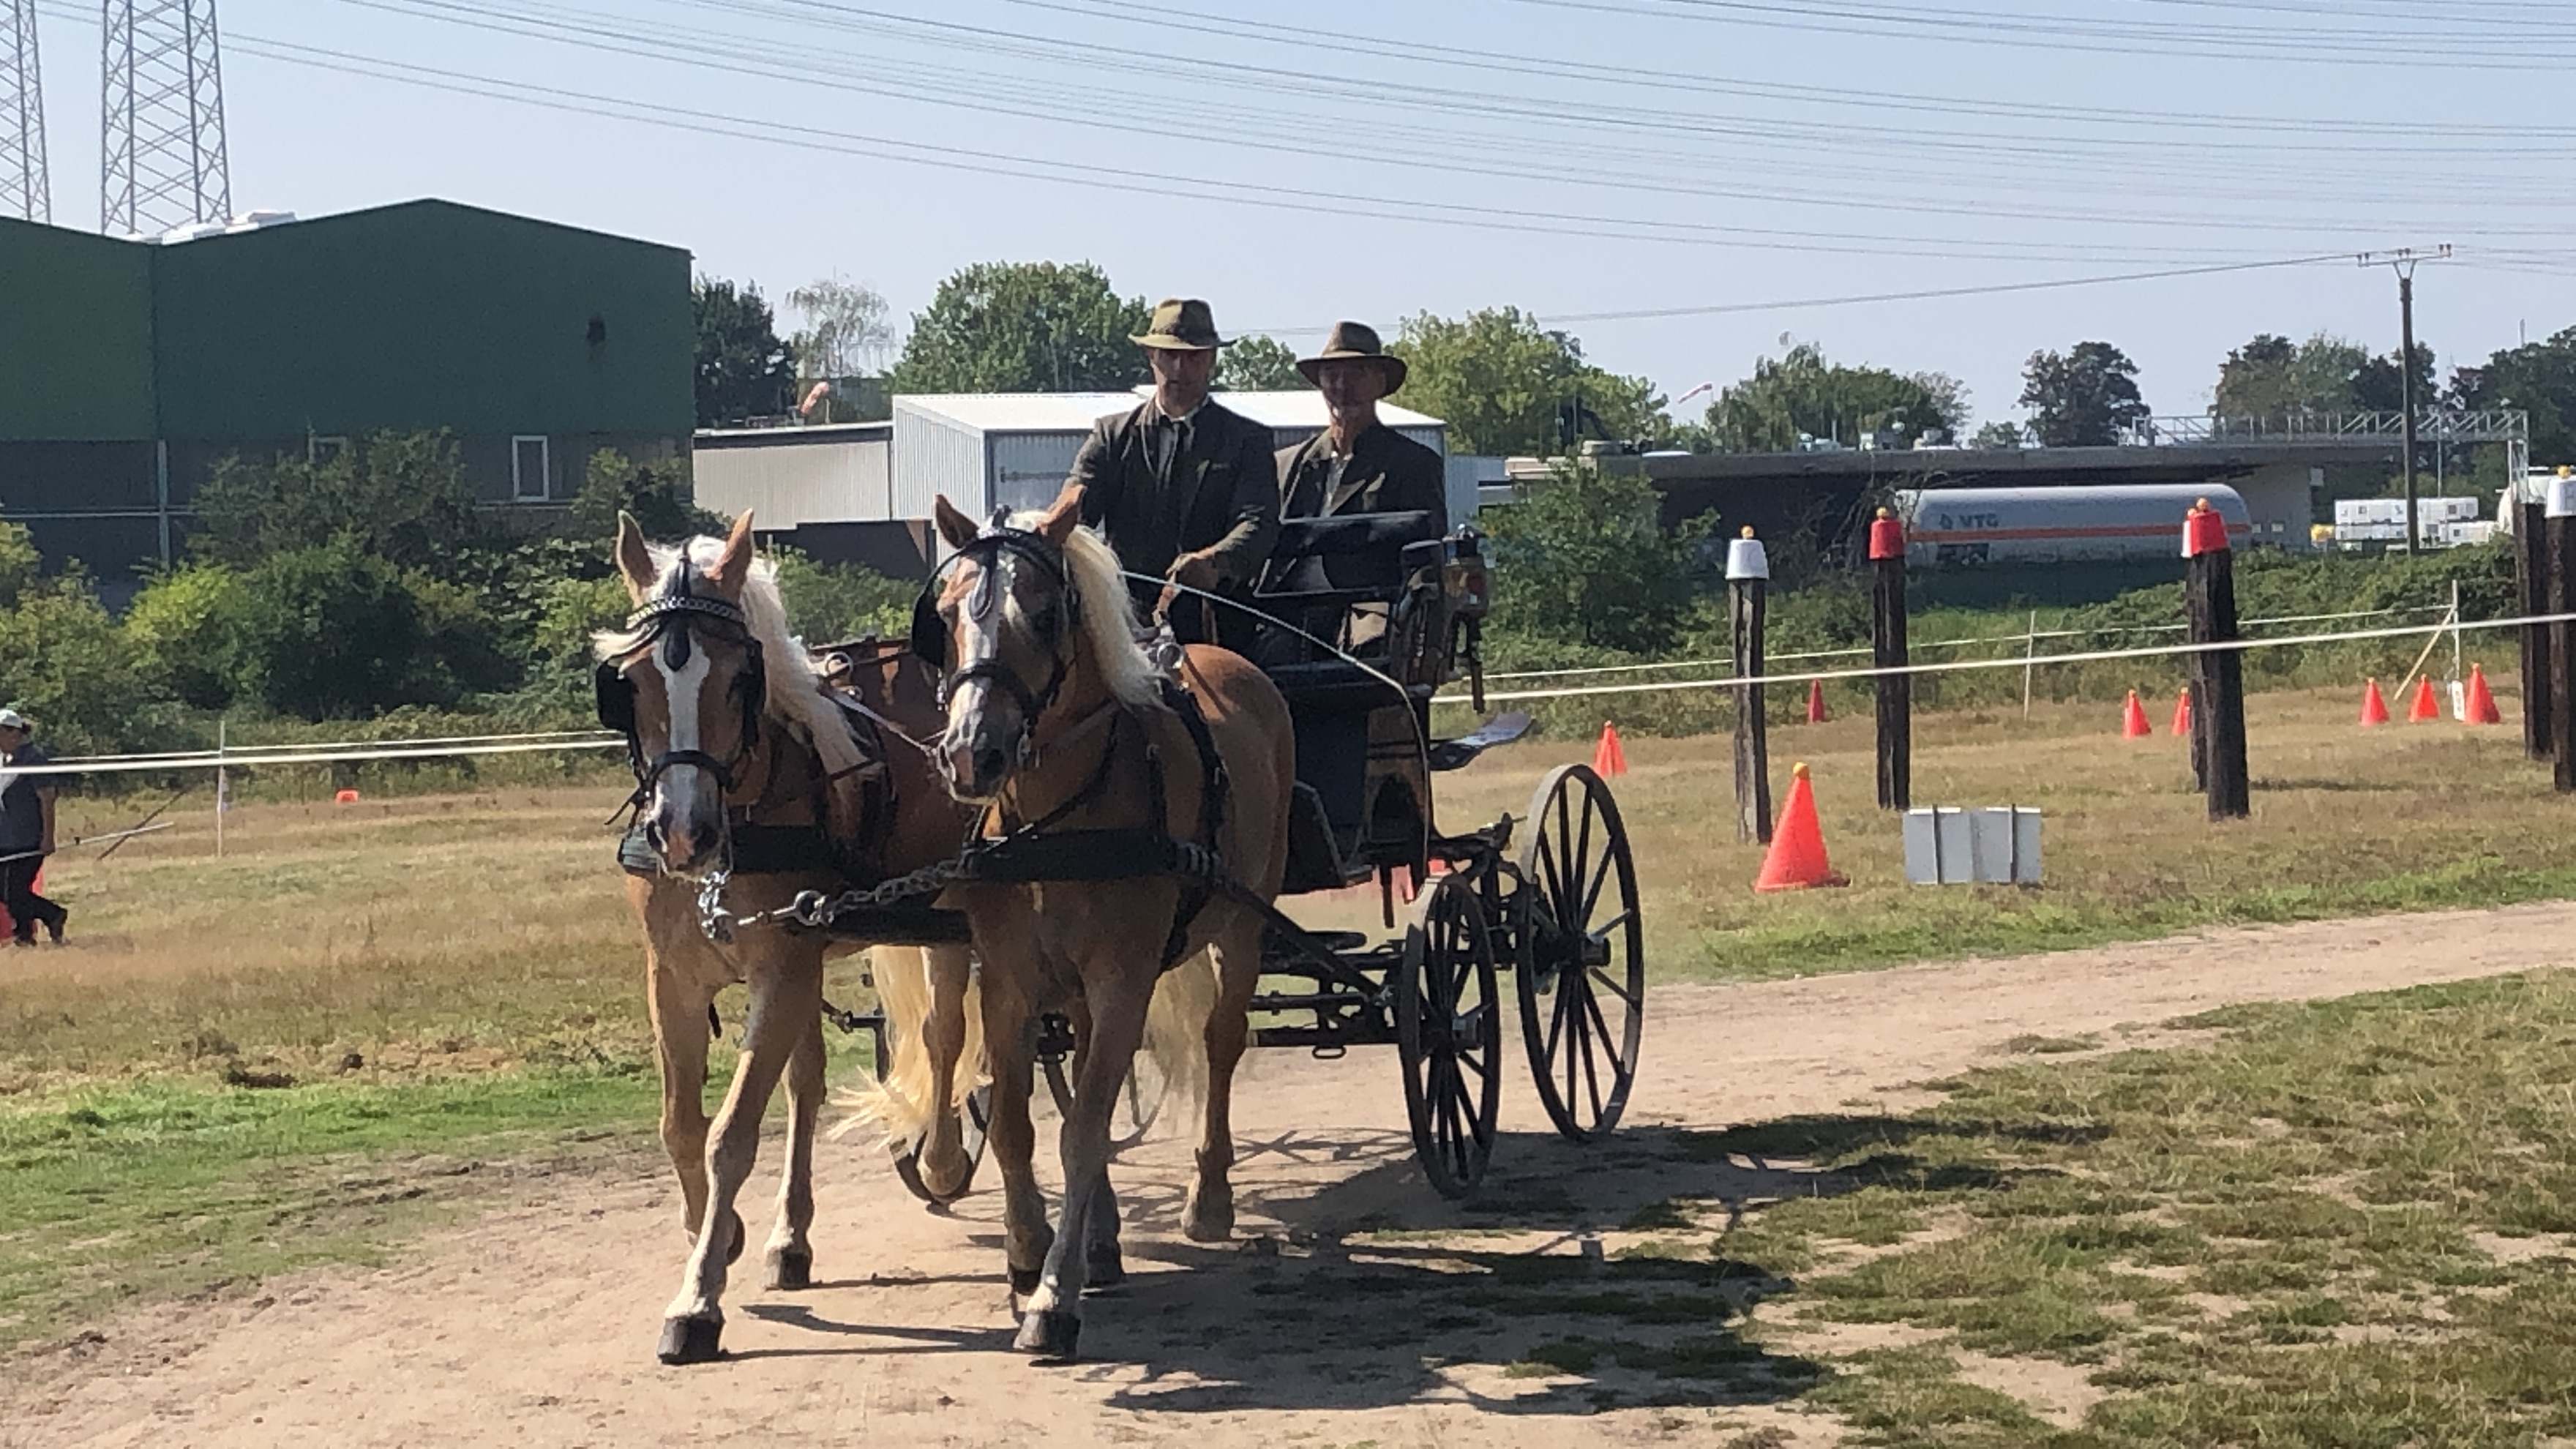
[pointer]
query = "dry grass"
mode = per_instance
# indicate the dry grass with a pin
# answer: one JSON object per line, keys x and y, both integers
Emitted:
{"x": 2346, "y": 821}
{"x": 434, "y": 934}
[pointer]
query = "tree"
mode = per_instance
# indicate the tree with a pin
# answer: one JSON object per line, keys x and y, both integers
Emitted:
{"x": 2537, "y": 377}
{"x": 2084, "y": 398}
{"x": 399, "y": 496}
{"x": 2378, "y": 387}
{"x": 336, "y": 631}
{"x": 1804, "y": 396}
{"x": 1505, "y": 385}
{"x": 1997, "y": 436}
{"x": 1582, "y": 558}
{"x": 184, "y": 633}
{"x": 2272, "y": 377}
{"x": 846, "y": 331}
{"x": 656, "y": 493}
{"x": 1260, "y": 364}
{"x": 1024, "y": 327}
{"x": 744, "y": 371}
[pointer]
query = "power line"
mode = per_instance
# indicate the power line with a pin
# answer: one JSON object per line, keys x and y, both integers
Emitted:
{"x": 622, "y": 34}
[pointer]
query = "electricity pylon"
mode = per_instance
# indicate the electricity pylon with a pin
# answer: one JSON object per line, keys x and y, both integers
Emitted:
{"x": 161, "y": 143}
{"x": 24, "y": 190}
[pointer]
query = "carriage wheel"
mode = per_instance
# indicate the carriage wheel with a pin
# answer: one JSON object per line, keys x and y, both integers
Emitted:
{"x": 1140, "y": 1098}
{"x": 1448, "y": 1033}
{"x": 1582, "y": 956}
{"x": 975, "y": 1118}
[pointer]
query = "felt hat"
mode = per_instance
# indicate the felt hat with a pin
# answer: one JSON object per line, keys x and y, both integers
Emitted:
{"x": 1182, "y": 324}
{"x": 1355, "y": 341}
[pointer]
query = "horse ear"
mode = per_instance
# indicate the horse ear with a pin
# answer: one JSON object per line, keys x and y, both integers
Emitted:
{"x": 1057, "y": 523}
{"x": 954, "y": 526}
{"x": 634, "y": 560}
{"x": 734, "y": 564}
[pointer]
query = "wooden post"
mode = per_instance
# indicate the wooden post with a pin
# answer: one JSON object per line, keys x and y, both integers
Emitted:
{"x": 2531, "y": 572}
{"x": 1888, "y": 651}
{"x": 1748, "y": 573}
{"x": 2218, "y": 675}
{"x": 2558, "y": 541}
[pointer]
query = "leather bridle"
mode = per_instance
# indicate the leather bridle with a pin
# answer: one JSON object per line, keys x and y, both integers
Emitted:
{"x": 998, "y": 551}
{"x": 669, "y": 621}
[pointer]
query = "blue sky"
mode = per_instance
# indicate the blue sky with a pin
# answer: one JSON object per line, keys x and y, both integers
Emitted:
{"x": 1572, "y": 157}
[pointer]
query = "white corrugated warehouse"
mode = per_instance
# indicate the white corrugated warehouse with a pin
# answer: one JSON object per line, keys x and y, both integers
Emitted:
{"x": 1012, "y": 450}
{"x": 862, "y": 492}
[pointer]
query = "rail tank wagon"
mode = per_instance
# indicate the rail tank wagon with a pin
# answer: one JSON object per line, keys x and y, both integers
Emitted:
{"x": 1970, "y": 526}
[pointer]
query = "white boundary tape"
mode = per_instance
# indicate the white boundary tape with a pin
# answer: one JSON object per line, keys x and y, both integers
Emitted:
{"x": 2023, "y": 638}
{"x": 355, "y": 751}
{"x": 2394, "y": 631}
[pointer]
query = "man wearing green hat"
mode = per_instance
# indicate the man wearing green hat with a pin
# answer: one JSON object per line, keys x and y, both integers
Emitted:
{"x": 1356, "y": 465}
{"x": 1182, "y": 487}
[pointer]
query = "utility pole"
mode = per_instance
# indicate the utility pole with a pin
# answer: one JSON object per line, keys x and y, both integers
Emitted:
{"x": 2403, "y": 260}
{"x": 24, "y": 190}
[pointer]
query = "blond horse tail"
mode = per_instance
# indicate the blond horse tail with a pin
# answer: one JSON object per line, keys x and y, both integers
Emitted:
{"x": 1176, "y": 1031}
{"x": 900, "y": 1107}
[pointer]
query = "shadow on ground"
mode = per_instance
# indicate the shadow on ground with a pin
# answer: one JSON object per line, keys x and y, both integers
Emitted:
{"x": 1375, "y": 1292}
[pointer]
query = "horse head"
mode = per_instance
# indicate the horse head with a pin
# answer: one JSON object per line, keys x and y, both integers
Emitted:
{"x": 1001, "y": 623}
{"x": 686, "y": 682}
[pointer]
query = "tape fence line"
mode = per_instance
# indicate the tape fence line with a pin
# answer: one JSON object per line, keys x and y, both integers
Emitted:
{"x": 2023, "y": 637}
{"x": 2156, "y": 651}
{"x": 294, "y": 755}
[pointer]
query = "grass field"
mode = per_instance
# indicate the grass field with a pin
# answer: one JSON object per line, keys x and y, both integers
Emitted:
{"x": 2342, "y": 1224}
{"x": 379, "y": 992}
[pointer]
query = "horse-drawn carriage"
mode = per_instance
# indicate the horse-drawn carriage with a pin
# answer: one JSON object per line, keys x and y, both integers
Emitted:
{"x": 1549, "y": 899}
{"x": 1110, "y": 816}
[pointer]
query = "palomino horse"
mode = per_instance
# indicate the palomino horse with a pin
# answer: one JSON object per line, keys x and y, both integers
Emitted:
{"x": 743, "y": 768}
{"x": 1059, "y": 728}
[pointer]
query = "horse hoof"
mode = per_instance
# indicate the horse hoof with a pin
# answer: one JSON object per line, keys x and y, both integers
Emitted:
{"x": 1105, "y": 1269}
{"x": 1049, "y": 1336}
{"x": 691, "y": 1340}
{"x": 1208, "y": 1225}
{"x": 791, "y": 1271}
{"x": 1024, "y": 1281}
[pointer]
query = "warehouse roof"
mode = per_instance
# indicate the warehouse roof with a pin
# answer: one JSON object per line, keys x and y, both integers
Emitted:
{"x": 1074, "y": 412}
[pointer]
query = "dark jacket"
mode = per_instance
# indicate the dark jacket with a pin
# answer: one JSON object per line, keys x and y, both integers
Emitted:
{"x": 1387, "y": 473}
{"x": 1219, "y": 492}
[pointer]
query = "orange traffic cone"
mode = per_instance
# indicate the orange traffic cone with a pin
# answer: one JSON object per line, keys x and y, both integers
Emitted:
{"x": 1816, "y": 701}
{"x": 2482, "y": 705}
{"x": 2374, "y": 709}
{"x": 2133, "y": 721}
{"x": 1608, "y": 760}
{"x": 1797, "y": 858}
{"x": 2425, "y": 706}
{"x": 2182, "y": 711}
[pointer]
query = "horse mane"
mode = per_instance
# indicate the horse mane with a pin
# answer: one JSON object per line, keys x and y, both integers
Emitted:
{"x": 795, "y": 695}
{"x": 1108, "y": 613}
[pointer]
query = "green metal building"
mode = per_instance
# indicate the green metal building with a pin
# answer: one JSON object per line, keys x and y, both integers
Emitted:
{"x": 129, "y": 369}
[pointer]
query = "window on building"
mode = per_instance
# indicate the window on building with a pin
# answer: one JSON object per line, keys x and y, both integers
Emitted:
{"x": 529, "y": 470}
{"x": 323, "y": 450}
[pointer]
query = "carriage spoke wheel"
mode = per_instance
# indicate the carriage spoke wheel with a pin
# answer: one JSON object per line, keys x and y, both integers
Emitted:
{"x": 1140, "y": 1097}
{"x": 1581, "y": 967}
{"x": 1448, "y": 1033}
{"x": 975, "y": 1117}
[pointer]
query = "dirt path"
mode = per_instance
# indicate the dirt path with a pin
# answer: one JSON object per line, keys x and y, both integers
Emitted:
{"x": 535, "y": 1326}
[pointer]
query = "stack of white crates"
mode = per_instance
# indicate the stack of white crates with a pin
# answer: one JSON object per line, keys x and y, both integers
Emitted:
{"x": 1995, "y": 846}
{"x": 2439, "y": 522}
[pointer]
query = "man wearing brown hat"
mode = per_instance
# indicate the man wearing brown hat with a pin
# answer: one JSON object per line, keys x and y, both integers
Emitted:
{"x": 1357, "y": 464}
{"x": 1182, "y": 487}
